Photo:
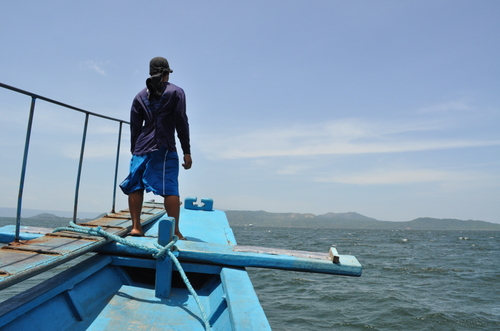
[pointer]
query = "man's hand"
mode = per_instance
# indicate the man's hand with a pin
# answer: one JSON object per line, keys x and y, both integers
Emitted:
{"x": 187, "y": 161}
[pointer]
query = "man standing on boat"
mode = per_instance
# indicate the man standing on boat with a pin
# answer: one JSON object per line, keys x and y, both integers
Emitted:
{"x": 158, "y": 111}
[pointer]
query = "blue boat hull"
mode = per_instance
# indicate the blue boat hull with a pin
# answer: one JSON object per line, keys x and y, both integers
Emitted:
{"x": 113, "y": 293}
{"x": 122, "y": 287}
{"x": 120, "y": 291}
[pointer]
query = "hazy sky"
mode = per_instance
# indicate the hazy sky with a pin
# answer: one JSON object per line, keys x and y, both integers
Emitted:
{"x": 386, "y": 108}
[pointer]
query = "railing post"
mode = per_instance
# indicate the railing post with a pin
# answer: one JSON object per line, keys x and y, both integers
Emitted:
{"x": 116, "y": 166}
{"x": 82, "y": 150}
{"x": 23, "y": 169}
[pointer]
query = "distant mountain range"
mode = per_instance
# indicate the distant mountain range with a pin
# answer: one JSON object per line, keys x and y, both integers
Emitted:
{"x": 12, "y": 212}
{"x": 43, "y": 220}
{"x": 330, "y": 220}
{"x": 349, "y": 220}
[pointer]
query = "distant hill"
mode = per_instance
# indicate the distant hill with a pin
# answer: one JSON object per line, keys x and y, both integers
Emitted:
{"x": 349, "y": 220}
{"x": 12, "y": 212}
{"x": 44, "y": 220}
{"x": 427, "y": 223}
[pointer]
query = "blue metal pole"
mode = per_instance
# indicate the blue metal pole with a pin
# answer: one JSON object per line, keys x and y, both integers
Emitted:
{"x": 84, "y": 137}
{"x": 116, "y": 166}
{"x": 23, "y": 169}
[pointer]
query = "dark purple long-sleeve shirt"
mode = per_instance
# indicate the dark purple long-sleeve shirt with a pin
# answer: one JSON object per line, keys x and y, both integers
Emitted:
{"x": 153, "y": 123}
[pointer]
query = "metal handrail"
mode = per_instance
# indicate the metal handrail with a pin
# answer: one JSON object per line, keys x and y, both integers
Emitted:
{"x": 34, "y": 97}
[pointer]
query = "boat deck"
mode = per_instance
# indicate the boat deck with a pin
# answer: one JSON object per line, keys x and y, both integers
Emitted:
{"x": 127, "y": 297}
{"x": 24, "y": 259}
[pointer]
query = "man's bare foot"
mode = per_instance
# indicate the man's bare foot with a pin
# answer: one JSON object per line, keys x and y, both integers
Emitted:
{"x": 180, "y": 236}
{"x": 136, "y": 233}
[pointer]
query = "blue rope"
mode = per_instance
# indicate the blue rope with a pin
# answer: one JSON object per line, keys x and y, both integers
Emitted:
{"x": 158, "y": 253}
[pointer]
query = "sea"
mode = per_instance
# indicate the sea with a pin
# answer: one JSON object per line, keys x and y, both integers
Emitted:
{"x": 412, "y": 280}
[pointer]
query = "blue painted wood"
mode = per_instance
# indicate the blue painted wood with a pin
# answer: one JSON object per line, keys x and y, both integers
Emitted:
{"x": 16, "y": 313}
{"x": 8, "y": 233}
{"x": 205, "y": 204}
{"x": 243, "y": 307}
{"x": 226, "y": 255}
{"x": 166, "y": 227}
{"x": 73, "y": 304}
{"x": 206, "y": 226}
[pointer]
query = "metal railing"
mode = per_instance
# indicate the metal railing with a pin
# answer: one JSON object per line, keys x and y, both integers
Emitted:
{"x": 34, "y": 97}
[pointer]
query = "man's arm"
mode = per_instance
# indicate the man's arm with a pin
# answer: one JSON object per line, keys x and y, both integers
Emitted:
{"x": 182, "y": 123}
{"x": 135, "y": 123}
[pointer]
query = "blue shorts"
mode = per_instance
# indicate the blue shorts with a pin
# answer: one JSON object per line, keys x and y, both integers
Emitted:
{"x": 155, "y": 172}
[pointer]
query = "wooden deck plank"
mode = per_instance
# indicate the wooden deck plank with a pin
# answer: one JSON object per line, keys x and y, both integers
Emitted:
{"x": 11, "y": 262}
{"x": 25, "y": 259}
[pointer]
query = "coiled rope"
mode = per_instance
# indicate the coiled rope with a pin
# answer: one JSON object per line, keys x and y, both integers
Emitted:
{"x": 160, "y": 252}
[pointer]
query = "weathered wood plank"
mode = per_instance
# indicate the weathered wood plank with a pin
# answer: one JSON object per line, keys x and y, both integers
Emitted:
{"x": 25, "y": 259}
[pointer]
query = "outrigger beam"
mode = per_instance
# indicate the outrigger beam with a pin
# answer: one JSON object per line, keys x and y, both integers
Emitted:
{"x": 251, "y": 256}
